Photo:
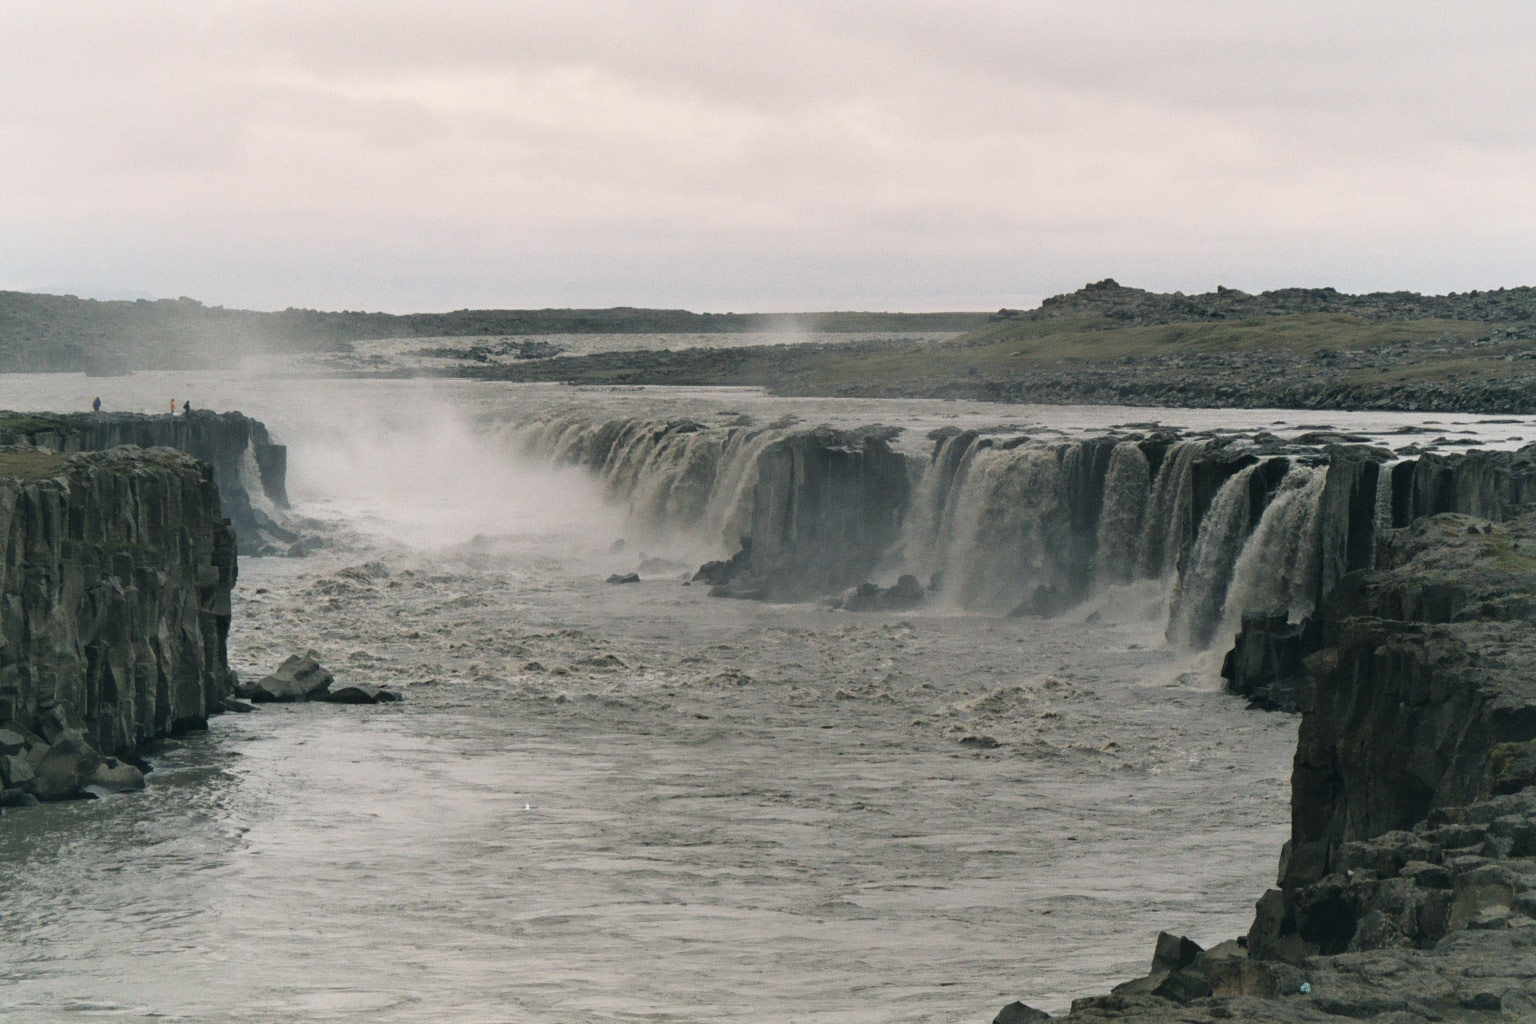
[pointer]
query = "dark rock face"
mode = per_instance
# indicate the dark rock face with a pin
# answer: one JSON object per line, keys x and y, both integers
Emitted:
{"x": 1018, "y": 1013}
{"x": 1412, "y": 827}
{"x": 115, "y": 605}
{"x": 1493, "y": 485}
{"x": 249, "y": 470}
{"x": 1408, "y": 888}
{"x": 1426, "y": 670}
{"x": 1265, "y": 663}
{"x": 827, "y": 507}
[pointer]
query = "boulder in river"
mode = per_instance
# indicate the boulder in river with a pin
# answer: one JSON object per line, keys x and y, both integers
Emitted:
{"x": 351, "y": 695}
{"x": 1019, "y": 1013}
{"x": 114, "y": 776}
{"x": 300, "y": 678}
{"x": 64, "y": 769}
{"x": 16, "y": 770}
{"x": 624, "y": 577}
{"x": 869, "y": 597}
{"x": 719, "y": 574}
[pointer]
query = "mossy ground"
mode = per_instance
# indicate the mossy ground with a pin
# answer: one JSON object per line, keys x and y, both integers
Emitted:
{"x": 13, "y": 424}
{"x": 25, "y": 464}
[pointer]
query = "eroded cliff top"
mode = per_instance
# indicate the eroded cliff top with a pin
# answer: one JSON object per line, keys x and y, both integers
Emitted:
{"x": 20, "y": 462}
{"x": 1448, "y": 568}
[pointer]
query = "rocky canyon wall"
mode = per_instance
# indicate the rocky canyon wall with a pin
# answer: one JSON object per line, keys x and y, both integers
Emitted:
{"x": 249, "y": 469}
{"x": 115, "y": 605}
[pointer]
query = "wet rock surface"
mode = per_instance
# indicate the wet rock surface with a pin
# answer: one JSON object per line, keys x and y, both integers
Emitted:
{"x": 906, "y": 593}
{"x": 300, "y": 677}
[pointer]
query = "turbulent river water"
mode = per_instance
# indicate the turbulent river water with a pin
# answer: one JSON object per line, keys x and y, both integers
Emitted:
{"x": 630, "y": 803}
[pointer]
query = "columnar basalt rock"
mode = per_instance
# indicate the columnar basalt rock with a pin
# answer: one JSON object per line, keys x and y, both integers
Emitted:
{"x": 249, "y": 469}
{"x": 827, "y": 506}
{"x": 114, "y": 605}
{"x": 1408, "y": 888}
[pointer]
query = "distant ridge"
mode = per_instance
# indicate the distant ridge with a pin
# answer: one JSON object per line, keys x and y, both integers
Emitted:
{"x": 64, "y": 333}
{"x": 1113, "y": 301}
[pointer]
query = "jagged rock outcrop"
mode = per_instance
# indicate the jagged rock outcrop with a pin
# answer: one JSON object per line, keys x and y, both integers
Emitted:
{"x": 114, "y": 605}
{"x": 249, "y": 469}
{"x": 1426, "y": 669}
{"x": 1408, "y": 889}
{"x": 823, "y": 508}
{"x": 1357, "y": 507}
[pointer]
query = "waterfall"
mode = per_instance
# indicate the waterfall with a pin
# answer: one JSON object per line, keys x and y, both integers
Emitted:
{"x": 679, "y": 479}
{"x": 1381, "y": 518}
{"x": 1278, "y": 569}
{"x": 1168, "y": 515}
{"x": 1025, "y": 524}
{"x": 250, "y": 478}
{"x": 929, "y": 525}
{"x": 1202, "y": 588}
{"x": 1127, "y": 491}
{"x": 1009, "y": 521}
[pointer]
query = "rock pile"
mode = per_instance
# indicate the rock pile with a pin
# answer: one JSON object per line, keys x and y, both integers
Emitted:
{"x": 302, "y": 678}
{"x": 1112, "y": 300}
{"x": 62, "y": 767}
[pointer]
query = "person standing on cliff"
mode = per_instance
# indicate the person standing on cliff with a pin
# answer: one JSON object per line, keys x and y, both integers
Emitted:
{"x": 173, "y": 407}
{"x": 186, "y": 407}
{"x": 96, "y": 405}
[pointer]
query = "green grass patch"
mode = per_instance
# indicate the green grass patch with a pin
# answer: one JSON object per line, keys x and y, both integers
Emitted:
{"x": 1506, "y": 556}
{"x": 12, "y": 424}
{"x": 30, "y": 465}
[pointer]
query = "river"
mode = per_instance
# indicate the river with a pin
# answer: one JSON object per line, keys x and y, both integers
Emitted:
{"x": 624, "y": 803}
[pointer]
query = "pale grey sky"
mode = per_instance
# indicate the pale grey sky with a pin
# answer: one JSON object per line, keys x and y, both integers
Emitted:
{"x": 760, "y": 156}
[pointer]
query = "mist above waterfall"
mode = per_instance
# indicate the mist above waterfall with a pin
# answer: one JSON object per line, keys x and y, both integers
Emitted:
{"x": 421, "y": 472}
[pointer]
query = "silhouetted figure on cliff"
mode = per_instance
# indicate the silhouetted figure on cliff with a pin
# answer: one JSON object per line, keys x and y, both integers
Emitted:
{"x": 96, "y": 405}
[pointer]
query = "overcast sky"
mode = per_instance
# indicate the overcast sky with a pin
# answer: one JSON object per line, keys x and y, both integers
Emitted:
{"x": 760, "y": 156}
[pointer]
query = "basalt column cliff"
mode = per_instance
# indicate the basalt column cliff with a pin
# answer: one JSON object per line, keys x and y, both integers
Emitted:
{"x": 115, "y": 605}
{"x": 248, "y": 468}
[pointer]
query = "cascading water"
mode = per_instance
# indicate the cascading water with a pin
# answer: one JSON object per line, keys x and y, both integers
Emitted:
{"x": 1168, "y": 517}
{"x": 1201, "y": 592}
{"x": 1277, "y": 571}
{"x": 929, "y": 523}
{"x": 680, "y": 479}
{"x": 250, "y": 479}
{"x": 1381, "y": 518}
{"x": 1028, "y": 525}
{"x": 1009, "y": 519}
{"x": 1127, "y": 492}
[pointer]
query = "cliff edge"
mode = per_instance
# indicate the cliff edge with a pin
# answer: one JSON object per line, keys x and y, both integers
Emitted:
{"x": 115, "y": 607}
{"x": 249, "y": 470}
{"x": 1407, "y": 891}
